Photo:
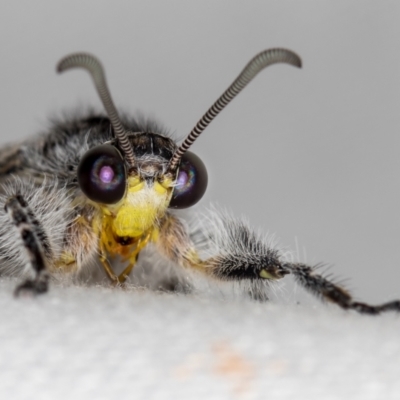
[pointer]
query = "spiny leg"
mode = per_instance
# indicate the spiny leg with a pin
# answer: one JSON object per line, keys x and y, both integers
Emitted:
{"x": 238, "y": 254}
{"x": 34, "y": 241}
{"x": 321, "y": 287}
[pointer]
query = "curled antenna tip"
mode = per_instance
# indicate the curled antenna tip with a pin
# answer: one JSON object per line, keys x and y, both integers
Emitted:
{"x": 294, "y": 59}
{"x": 74, "y": 60}
{"x": 95, "y": 69}
{"x": 279, "y": 55}
{"x": 60, "y": 67}
{"x": 255, "y": 65}
{"x": 299, "y": 63}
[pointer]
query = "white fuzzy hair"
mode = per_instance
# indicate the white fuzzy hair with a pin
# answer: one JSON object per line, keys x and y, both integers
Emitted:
{"x": 49, "y": 204}
{"x": 216, "y": 233}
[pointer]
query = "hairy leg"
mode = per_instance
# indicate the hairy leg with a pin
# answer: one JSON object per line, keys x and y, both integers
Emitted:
{"x": 231, "y": 251}
{"x": 34, "y": 243}
{"x": 43, "y": 233}
{"x": 319, "y": 286}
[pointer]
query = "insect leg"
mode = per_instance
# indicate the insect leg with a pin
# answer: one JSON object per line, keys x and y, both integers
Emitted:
{"x": 228, "y": 264}
{"x": 107, "y": 266}
{"x": 233, "y": 252}
{"x": 319, "y": 286}
{"x": 133, "y": 257}
{"x": 34, "y": 241}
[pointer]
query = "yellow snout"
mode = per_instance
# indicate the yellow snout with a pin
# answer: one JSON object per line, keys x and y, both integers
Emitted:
{"x": 140, "y": 209}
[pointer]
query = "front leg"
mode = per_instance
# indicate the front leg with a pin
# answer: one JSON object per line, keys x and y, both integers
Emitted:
{"x": 34, "y": 243}
{"x": 233, "y": 252}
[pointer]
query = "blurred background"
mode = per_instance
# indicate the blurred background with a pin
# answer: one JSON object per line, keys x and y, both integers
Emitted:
{"x": 308, "y": 155}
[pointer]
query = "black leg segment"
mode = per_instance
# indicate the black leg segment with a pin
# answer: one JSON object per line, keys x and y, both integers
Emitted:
{"x": 34, "y": 242}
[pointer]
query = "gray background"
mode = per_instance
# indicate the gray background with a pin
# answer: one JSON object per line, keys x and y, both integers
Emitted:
{"x": 310, "y": 156}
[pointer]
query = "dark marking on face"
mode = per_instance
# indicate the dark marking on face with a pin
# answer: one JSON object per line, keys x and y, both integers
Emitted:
{"x": 152, "y": 144}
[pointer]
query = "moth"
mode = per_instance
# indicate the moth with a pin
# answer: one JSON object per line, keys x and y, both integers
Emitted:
{"x": 101, "y": 187}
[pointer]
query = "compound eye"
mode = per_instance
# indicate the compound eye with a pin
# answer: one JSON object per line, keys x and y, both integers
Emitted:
{"x": 191, "y": 182}
{"x": 102, "y": 174}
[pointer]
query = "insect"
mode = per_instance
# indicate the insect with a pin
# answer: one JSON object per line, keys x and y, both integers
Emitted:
{"x": 98, "y": 187}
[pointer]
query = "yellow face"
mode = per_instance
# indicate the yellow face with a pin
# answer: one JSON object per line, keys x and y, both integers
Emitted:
{"x": 141, "y": 207}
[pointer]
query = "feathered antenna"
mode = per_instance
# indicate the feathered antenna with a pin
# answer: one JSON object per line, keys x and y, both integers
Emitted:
{"x": 94, "y": 67}
{"x": 258, "y": 63}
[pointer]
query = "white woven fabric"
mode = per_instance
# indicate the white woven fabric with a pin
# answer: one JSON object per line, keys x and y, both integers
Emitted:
{"x": 102, "y": 343}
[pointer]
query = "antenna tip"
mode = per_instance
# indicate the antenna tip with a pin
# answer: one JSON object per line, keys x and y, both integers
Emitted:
{"x": 279, "y": 55}
{"x": 82, "y": 60}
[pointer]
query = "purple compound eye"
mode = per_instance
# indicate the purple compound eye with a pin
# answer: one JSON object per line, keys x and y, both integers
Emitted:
{"x": 102, "y": 174}
{"x": 191, "y": 182}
